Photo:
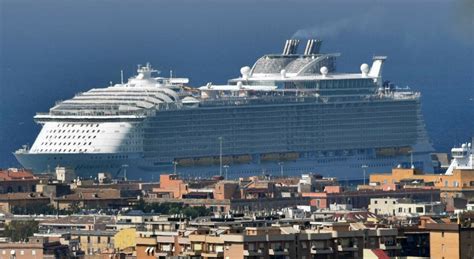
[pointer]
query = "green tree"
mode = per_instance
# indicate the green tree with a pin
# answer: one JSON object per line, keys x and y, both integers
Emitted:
{"x": 20, "y": 230}
{"x": 74, "y": 207}
{"x": 35, "y": 209}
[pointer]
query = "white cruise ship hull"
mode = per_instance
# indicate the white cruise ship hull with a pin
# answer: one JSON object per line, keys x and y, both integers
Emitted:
{"x": 84, "y": 165}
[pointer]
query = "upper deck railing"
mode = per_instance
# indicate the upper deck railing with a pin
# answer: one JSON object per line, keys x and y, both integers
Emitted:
{"x": 276, "y": 97}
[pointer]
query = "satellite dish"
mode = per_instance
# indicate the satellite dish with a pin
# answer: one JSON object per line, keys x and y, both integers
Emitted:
{"x": 245, "y": 71}
{"x": 324, "y": 71}
{"x": 364, "y": 68}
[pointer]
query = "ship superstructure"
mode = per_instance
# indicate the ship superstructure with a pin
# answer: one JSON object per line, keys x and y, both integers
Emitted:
{"x": 289, "y": 113}
{"x": 463, "y": 158}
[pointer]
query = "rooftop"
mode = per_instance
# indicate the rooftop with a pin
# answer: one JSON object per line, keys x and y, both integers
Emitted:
{"x": 14, "y": 174}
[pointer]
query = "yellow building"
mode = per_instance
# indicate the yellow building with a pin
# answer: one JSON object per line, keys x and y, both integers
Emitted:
{"x": 125, "y": 238}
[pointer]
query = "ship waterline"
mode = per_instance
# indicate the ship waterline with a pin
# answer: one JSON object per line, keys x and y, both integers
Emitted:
{"x": 290, "y": 113}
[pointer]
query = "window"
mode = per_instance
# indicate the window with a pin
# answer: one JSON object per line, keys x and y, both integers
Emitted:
{"x": 442, "y": 234}
{"x": 251, "y": 246}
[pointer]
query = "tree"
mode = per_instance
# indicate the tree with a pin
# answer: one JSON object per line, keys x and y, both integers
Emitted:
{"x": 20, "y": 230}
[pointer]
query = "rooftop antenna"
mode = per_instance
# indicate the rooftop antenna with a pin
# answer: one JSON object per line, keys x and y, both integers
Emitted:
{"x": 121, "y": 76}
{"x": 171, "y": 73}
{"x": 220, "y": 155}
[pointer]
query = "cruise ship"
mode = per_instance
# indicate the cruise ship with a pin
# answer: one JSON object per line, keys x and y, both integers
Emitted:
{"x": 289, "y": 113}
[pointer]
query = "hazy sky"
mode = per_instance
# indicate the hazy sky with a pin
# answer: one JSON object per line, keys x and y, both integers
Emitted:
{"x": 50, "y": 50}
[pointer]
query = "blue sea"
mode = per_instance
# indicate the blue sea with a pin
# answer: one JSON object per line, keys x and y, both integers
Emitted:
{"x": 50, "y": 50}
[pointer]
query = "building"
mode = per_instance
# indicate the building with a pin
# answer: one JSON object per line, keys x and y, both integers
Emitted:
{"x": 91, "y": 198}
{"x": 452, "y": 240}
{"x": 277, "y": 242}
{"x": 17, "y": 180}
{"x": 52, "y": 189}
{"x": 65, "y": 174}
{"x": 21, "y": 201}
{"x": 457, "y": 182}
{"x": 414, "y": 240}
{"x": 404, "y": 207}
{"x": 361, "y": 199}
{"x": 171, "y": 186}
{"x": 36, "y": 247}
{"x": 94, "y": 241}
{"x": 125, "y": 239}
{"x": 161, "y": 244}
{"x": 75, "y": 222}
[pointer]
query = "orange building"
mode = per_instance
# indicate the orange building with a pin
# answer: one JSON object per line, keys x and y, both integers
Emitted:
{"x": 171, "y": 187}
{"x": 452, "y": 240}
{"x": 226, "y": 190}
{"x": 17, "y": 180}
{"x": 459, "y": 184}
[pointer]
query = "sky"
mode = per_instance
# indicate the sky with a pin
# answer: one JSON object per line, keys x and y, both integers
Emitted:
{"x": 53, "y": 49}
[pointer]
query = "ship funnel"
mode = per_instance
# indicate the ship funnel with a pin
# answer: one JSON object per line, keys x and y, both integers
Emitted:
{"x": 376, "y": 68}
{"x": 312, "y": 47}
{"x": 290, "y": 47}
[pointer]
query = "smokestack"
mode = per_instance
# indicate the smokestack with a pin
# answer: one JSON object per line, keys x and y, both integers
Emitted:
{"x": 291, "y": 46}
{"x": 286, "y": 49}
{"x": 312, "y": 47}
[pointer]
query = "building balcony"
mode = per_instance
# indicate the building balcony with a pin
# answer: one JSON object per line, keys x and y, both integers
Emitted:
{"x": 390, "y": 246}
{"x": 278, "y": 252}
{"x": 325, "y": 250}
{"x": 192, "y": 253}
{"x": 258, "y": 252}
{"x": 353, "y": 248}
{"x": 213, "y": 254}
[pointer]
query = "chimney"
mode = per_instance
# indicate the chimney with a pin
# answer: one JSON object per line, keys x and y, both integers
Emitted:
{"x": 291, "y": 46}
{"x": 286, "y": 49}
{"x": 312, "y": 47}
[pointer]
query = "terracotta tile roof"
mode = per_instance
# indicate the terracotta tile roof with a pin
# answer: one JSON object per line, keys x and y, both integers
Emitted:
{"x": 380, "y": 254}
{"x": 91, "y": 194}
{"x": 22, "y": 196}
{"x": 16, "y": 174}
